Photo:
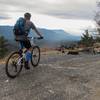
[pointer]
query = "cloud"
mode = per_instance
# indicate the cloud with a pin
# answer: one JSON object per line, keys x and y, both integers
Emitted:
{"x": 3, "y": 17}
{"x": 76, "y": 9}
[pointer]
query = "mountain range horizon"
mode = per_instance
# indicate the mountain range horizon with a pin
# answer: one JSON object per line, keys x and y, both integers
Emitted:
{"x": 51, "y": 36}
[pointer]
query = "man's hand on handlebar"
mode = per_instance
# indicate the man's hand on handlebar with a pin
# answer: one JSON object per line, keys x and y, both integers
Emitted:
{"x": 41, "y": 37}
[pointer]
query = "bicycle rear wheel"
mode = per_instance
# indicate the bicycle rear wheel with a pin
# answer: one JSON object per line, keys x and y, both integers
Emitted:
{"x": 13, "y": 65}
{"x": 35, "y": 56}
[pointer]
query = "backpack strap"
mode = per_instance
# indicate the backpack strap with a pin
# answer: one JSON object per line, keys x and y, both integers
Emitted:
{"x": 21, "y": 24}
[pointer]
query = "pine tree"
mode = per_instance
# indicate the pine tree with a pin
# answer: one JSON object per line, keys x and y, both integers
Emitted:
{"x": 87, "y": 40}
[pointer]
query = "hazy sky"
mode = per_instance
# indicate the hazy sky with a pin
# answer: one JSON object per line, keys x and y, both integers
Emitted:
{"x": 70, "y": 15}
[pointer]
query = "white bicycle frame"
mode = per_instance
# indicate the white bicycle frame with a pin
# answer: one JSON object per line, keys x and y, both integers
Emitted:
{"x": 32, "y": 41}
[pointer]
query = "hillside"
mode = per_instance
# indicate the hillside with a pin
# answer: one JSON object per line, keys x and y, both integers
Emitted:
{"x": 51, "y": 37}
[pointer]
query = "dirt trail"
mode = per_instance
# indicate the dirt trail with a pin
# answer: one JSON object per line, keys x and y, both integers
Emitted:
{"x": 58, "y": 77}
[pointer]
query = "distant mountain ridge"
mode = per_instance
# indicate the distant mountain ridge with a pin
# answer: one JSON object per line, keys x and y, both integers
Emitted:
{"x": 50, "y": 36}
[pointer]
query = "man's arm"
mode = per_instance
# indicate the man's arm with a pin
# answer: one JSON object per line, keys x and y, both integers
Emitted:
{"x": 35, "y": 29}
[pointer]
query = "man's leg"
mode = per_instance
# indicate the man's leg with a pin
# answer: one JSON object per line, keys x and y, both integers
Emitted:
{"x": 27, "y": 45}
{"x": 21, "y": 46}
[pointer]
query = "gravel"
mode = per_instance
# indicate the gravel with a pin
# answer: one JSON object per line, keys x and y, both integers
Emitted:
{"x": 58, "y": 77}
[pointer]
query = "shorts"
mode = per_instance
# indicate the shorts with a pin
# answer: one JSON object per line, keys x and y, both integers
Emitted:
{"x": 25, "y": 44}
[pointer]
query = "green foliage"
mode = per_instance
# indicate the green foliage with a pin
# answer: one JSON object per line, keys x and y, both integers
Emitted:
{"x": 97, "y": 39}
{"x": 3, "y": 48}
{"x": 87, "y": 40}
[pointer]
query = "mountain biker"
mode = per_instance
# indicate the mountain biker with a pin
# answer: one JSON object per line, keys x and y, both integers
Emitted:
{"x": 21, "y": 31}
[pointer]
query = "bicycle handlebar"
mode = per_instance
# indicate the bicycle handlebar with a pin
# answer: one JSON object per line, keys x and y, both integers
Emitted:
{"x": 38, "y": 38}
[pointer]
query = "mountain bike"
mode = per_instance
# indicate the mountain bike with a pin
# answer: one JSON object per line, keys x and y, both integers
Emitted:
{"x": 16, "y": 60}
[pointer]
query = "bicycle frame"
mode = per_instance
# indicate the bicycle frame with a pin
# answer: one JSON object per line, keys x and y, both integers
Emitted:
{"x": 21, "y": 59}
{"x": 33, "y": 40}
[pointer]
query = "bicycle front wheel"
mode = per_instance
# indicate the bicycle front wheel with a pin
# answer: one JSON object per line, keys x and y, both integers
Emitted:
{"x": 13, "y": 65}
{"x": 35, "y": 56}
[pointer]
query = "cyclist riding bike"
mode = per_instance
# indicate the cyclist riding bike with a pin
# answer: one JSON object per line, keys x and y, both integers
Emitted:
{"x": 21, "y": 31}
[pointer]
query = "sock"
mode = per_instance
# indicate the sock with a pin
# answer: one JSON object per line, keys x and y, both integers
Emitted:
{"x": 28, "y": 56}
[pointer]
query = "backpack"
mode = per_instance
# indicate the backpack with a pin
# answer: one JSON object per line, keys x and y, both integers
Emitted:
{"x": 19, "y": 27}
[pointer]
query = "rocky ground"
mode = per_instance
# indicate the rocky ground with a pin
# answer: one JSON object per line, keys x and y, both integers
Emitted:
{"x": 58, "y": 77}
